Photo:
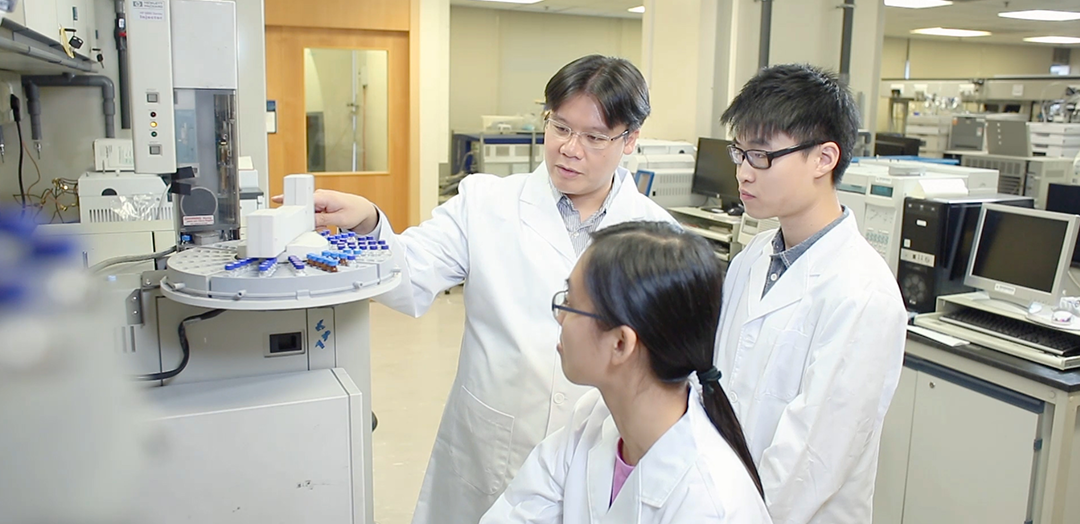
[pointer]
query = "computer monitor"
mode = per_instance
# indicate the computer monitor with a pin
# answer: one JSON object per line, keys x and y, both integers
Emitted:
{"x": 1022, "y": 255}
{"x": 714, "y": 172}
{"x": 1062, "y": 198}
{"x": 895, "y": 145}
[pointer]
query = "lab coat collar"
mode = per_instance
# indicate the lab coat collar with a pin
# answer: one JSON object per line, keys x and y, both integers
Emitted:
{"x": 795, "y": 283}
{"x": 656, "y": 475}
{"x": 540, "y": 212}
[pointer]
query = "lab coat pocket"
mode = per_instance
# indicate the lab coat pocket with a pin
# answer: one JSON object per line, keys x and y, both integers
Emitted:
{"x": 480, "y": 445}
{"x": 783, "y": 373}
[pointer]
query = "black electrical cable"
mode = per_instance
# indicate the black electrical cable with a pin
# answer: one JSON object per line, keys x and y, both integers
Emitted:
{"x": 184, "y": 347}
{"x": 16, "y": 114}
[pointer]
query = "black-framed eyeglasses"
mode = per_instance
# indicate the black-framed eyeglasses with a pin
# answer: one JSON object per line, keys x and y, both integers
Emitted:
{"x": 558, "y": 303}
{"x": 595, "y": 141}
{"x": 761, "y": 159}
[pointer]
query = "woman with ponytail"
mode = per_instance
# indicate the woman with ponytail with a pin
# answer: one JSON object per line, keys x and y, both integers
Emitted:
{"x": 657, "y": 441}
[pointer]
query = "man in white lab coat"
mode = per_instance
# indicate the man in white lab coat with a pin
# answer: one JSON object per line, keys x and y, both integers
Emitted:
{"x": 513, "y": 241}
{"x": 811, "y": 336}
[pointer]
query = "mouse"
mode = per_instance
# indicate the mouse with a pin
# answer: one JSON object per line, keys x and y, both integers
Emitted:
{"x": 735, "y": 211}
{"x": 1062, "y": 317}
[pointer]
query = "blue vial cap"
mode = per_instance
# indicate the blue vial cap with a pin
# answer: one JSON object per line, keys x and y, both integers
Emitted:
{"x": 384, "y": 248}
{"x": 46, "y": 247}
{"x": 11, "y": 293}
{"x": 351, "y": 256}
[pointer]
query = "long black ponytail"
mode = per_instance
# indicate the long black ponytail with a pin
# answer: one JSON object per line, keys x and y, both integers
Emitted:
{"x": 666, "y": 285}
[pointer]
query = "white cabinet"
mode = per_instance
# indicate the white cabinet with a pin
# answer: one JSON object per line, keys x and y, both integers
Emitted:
{"x": 956, "y": 450}
{"x": 893, "y": 460}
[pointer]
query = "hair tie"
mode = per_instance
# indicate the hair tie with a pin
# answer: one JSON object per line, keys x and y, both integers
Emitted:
{"x": 708, "y": 378}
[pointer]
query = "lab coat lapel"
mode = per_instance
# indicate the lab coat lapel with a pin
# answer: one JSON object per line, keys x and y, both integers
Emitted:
{"x": 626, "y": 509}
{"x": 789, "y": 289}
{"x": 601, "y": 469}
{"x": 626, "y": 205}
{"x": 540, "y": 213}
{"x": 656, "y": 475}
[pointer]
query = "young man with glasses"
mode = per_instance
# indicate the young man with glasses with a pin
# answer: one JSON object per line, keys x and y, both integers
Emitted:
{"x": 513, "y": 241}
{"x": 812, "y": 330}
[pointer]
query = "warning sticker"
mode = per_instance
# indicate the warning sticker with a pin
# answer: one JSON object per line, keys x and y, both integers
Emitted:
{"x": 150, "y": 10}
{"x": 199, "y": 220}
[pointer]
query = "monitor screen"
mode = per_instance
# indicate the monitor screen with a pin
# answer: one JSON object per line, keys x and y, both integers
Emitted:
{"x": 1065, "y": 199}
{"x": 644, "y": 181}
{"x": 894, "y": 145}
{"x": 1019, "y": 249}
{"x": 714, "y": 172}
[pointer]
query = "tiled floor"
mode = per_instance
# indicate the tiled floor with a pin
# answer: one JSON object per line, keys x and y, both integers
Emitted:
{"x": 413, "y": 365}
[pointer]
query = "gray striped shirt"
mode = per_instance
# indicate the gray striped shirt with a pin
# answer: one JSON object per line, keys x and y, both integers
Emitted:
{"x": 580, "y": 230}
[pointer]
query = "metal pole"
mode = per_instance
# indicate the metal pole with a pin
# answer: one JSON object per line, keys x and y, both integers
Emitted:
{"x": 766, "y": 30}
{"x": 845, "y": 41}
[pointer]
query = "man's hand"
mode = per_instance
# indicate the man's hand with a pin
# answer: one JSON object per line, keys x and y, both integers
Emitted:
{"x": 350, "y": 212}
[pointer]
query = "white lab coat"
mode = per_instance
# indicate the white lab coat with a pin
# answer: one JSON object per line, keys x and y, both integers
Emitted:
{"x": 810, "y": 369}
{"x": 690, "y": 475}
{"x": 503, "y": 237}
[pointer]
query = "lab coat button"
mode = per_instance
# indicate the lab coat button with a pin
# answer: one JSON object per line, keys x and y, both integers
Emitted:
{"x": 773, "y": 277}
{"x": 559, "y": 398}
{"x": 733, "y": 397}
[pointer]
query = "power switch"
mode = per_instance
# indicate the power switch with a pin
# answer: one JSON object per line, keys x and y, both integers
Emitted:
{"x": 286, "y": 344}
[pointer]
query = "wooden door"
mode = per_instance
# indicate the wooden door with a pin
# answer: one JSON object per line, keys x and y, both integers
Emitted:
{"x": 288, "y": 148}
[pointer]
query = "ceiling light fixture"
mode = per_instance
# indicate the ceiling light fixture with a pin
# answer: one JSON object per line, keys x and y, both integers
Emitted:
{"x": 1062, "y": 40}
{"x": 638, "y": 9}
{"x": 916, "y": 4}
{"x": 1042, "y": 15}
{"x": 943, "y": 31}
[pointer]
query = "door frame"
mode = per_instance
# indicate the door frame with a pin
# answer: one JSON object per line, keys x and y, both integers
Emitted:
{"x": 390, "y": 189}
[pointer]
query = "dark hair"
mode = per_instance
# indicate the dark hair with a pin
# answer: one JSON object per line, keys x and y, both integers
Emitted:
{"x": 615, "y": 84}
{"x": 665, "y": 284}
{"x": 804, "y": 102}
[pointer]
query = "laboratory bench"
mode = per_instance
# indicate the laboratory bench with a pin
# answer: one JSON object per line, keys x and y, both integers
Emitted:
{"x": 975, "y": 435}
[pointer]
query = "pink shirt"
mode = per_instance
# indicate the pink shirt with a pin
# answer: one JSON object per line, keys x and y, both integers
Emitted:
{"x": 622, "y": 472}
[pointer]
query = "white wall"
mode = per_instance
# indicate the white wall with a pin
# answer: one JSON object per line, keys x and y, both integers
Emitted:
{"x": 679, "y": 61}
{"x": 376, "y": 99}
{"x": 329, "y": 89}
{"x": 696, "y": 69}
{"x": 71, "y": 117}
{"x": 433, "y": 99}
{"x": 500, "y": 60}
{"x": 964, "y": 59}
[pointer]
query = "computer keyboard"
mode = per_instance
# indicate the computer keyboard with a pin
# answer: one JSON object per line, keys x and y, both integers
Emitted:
{"x": 1039, "y": 337}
